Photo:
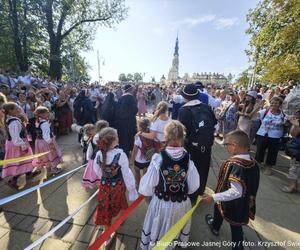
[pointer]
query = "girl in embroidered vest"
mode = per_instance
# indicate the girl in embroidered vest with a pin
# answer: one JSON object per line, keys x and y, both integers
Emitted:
{"x": 46, "y": 142}
{"x": 112, "y": 166}
{"x": 16, "y": 146}
{"x": 88, "y": 131}
{"x": 142, "y": 146}
{"x": 90, "y": 178}
{"x": 171, "y": 176}
{"x": 236, "y": 189}
{"x": 158, "y": 122}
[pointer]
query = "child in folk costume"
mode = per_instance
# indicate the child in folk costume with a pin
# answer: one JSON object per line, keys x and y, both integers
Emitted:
{"x": 88, "y": 131}
{"x": 45, "y": 141}
{"x": 171, "y": 176}
{"x": 112, "y": 167}
{"x": 90, "y": 178}
{"x": 236, "y": 189}
{"x": 16, "y": 146}
{"x": 159, "y": 120}
{"x": 2, "y": 130}
{"x": 143, "y": 149}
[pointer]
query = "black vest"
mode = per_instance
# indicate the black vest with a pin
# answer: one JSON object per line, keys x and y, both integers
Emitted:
{"x": 39, "y": 131}
{"x": 172, "y": 183}
{"x": 238, "y": 211}
{"x": 111, "y": 174}
{"x": 95, "y": 150}
{"x": 22, "y": 132}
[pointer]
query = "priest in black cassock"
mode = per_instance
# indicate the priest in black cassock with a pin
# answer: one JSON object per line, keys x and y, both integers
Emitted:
{"x": 125, "y": 119}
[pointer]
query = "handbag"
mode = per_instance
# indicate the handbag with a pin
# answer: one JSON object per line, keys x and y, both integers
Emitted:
{"x": 292, "y": 148}
{"x": 222, "y": 115}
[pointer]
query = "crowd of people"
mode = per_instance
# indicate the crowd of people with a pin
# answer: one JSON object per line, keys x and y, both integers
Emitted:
{"x": 155, "y": 140}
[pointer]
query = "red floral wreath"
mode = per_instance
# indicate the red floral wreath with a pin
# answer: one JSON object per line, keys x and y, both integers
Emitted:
{"x": 102, "y": 144}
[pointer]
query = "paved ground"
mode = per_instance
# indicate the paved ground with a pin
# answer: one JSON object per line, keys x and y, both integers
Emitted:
{"x": 26, "y": 219}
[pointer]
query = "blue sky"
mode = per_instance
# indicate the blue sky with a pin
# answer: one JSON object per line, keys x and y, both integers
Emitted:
{"x": 211, "y": 38}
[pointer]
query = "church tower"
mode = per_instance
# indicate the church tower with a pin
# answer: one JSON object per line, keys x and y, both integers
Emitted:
{"x": 174, "y": 71}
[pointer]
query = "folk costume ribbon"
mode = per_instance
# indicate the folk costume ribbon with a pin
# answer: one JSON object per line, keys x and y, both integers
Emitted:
{"x": 103, "y": 237}
{"x": 24, "y": 158}
{"x": 176, "y": 228}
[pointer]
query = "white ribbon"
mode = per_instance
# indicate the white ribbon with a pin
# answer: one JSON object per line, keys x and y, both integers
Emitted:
{"x": 29, "y": 190}
{"x": 58, "y": 226}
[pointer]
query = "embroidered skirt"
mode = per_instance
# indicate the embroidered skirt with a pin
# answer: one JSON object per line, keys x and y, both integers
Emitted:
{"x": 15, "y": 169}
{"x": 161, "y": 216}
{"x": 90, "y": 179}
{"x": 111, "y": 200}
{"x": 50, "y": 160}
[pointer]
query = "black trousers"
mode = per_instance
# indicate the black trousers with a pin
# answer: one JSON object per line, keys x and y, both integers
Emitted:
{"x": 237, "y": 234}
{"x": 262, "y": 144}
{"x": 201, "y": 160}
{"x": 32, "y": 129}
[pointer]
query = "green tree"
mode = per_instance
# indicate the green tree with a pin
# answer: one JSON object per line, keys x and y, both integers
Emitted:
{"x": 39, "y": 32}
{"x": 275, "y": 39}
{"x": 122, "y": 78}
{"x": 137, "y": 77}
{"x": 129, "y": 77}
{"x": 243, "y": 79}
{"x": 75, "y": 19}
{"x": 75, "y": 68}
{"x": 16, "y": 33}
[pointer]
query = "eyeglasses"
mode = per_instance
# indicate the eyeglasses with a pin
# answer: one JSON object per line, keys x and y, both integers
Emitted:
{"x": 228, "y": 144}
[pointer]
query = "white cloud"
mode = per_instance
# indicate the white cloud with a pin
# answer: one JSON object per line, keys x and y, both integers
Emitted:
{"x": 225, "y": 23}
{"x": 218, "y": 22}
{"x": 196, "y": 20}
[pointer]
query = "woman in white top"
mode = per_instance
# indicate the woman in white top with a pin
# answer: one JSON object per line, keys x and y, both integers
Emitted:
{"x": 159, "y": 120}
{"x": 269, "y": 133}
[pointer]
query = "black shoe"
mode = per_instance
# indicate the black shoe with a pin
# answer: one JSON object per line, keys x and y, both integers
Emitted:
{"x": 31, "y": 175}
{"x": 209, "y": 220}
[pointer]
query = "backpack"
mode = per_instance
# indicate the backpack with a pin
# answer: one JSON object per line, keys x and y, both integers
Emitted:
{"x": 203, "y": 126}
{"x": 152, "y": 97}
{"x": 148, "y": 148}
{"x": 292, "y": 148}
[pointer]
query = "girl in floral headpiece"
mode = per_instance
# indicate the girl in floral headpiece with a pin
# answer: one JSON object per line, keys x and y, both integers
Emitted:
{"x": 90, "y": 178}
{"x": 170, "y": 178}
{"x": 112, "y": 166}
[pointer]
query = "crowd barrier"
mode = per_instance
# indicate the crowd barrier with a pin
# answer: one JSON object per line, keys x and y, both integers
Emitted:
{"x": 163, "y": 243}
{"x": 29, "y": 190}
{"x": 58, "y": 226}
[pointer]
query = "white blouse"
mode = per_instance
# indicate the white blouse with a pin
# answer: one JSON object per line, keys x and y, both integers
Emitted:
{"x": 139, "y": 156}
{"x": 126, "y": 171}
{"x": 150, "y": 180}
{"x": 158, "y": 127}
{"x": 14, "y": 129}
{"x": 45, "y": 127}
{"x": 271, "y": 124}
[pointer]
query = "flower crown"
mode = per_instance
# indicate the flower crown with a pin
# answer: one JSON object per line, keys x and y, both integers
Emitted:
{"x": 103, "y": 144}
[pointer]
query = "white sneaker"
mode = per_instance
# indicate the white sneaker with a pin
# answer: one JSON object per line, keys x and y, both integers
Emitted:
{"x": 55, "y": 171}
{"x": 21, "y": 181}
{"x": 109, "y": 240}
{"x": 268, "y": 171}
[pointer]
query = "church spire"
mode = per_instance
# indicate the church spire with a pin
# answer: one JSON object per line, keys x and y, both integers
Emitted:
{"x": 176, "y": 47}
